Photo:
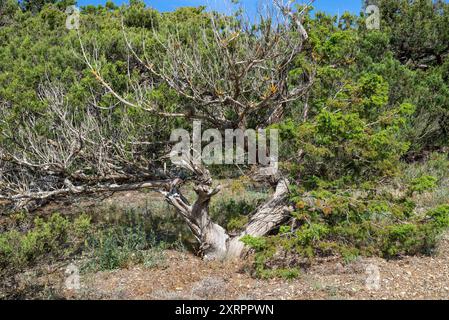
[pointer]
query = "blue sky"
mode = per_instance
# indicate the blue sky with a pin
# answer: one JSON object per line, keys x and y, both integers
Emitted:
{"x": 330, "y": 6}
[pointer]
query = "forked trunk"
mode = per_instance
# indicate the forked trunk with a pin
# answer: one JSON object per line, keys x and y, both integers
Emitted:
{"x": 215, "y": 242}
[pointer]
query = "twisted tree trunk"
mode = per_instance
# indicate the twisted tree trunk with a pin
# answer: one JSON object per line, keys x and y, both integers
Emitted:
{"x": 266, "y": 218}
{"x": 215, "y": 242}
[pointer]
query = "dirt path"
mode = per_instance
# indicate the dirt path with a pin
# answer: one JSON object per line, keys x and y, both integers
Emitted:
{"x": 188, "y": 277}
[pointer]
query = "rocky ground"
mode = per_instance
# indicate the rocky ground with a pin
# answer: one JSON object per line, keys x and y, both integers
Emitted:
{"x": 185, "y": 276}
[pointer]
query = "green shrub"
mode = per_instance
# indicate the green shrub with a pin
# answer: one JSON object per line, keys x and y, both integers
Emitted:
{"x": 256, "y": 243}
{"x": 237, "y": 223}
{"x": 55, "y": 237}
{"x": 82, "y": 225}
{"x": 234, "y": 212}
{"x": 116, "y": 247}
{"x": 440, "y": 216}
{"x": 121, "y": 246}
{"x": 121, "y": 239}
{"x": 424, "y": 183}
{"x": 366, "y": 219}
{"x": 287, "y": 274}
{"x": 367, "y": 226}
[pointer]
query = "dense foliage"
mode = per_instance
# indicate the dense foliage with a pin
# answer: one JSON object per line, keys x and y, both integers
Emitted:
{"x": 379, "y": 99}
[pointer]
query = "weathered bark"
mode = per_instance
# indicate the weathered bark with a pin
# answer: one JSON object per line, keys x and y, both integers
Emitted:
{"x": 215, "y": 242}
{"x": 31, "y": 201}
{"x": 211, "y": 236}
{"x": 266, "y": 218}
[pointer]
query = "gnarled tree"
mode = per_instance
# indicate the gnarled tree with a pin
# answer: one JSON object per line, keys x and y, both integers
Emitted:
{"x": 228, "y": 72}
